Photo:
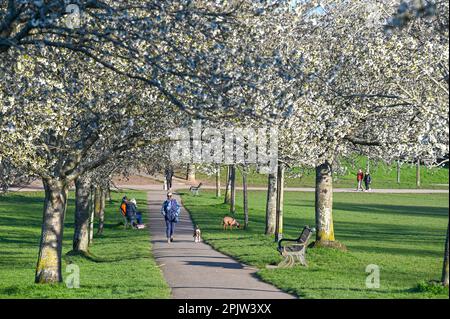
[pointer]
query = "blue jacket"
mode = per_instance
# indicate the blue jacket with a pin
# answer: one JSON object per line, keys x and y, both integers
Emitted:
{"x": 167, "y": 209}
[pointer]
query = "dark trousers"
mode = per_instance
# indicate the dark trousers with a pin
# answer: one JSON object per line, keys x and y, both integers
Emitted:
{"x": 170, "y": 228}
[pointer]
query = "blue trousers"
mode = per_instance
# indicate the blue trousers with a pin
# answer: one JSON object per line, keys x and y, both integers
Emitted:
{"x": 170, "y": 228}
{"x": 139, "y": 218}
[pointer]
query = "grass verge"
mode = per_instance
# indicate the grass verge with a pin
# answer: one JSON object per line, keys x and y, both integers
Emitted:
{"x": 403, "y": 234}
{"x": 119, "y": 265}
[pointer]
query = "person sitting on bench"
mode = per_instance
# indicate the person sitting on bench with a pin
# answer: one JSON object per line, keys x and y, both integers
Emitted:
{"x": 137, "y": 215}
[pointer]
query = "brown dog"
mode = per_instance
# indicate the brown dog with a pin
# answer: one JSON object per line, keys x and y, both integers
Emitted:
{"x": 230, "y": 221}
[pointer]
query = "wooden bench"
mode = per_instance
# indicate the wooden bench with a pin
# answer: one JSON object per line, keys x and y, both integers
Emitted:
{"x": 194, "y": 189}
{"x": 293, "y": 250}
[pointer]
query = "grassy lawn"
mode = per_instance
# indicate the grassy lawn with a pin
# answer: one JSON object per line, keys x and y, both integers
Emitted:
{"x": 403, "y": 234}
{"x": 383, "y": 175}
{"x": 122, "y": 264}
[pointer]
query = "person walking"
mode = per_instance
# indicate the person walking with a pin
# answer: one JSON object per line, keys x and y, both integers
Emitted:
{"x": 367, "y": 181}
{"x": 359, "y": 178}
{"x": 169, "y": 176}
{"x": 171, "y": 212}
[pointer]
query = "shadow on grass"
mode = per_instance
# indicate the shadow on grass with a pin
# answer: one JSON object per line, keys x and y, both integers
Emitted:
{"x": 73, "y": 256}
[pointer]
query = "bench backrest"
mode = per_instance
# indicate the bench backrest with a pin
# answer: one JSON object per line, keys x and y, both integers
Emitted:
{"x": 304, "y": 236}
{"x": 199, "y": 185}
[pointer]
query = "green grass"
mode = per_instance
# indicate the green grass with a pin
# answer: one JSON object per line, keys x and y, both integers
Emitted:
{"x": 122, "y": 265}
{"x": 403, "y": 234}
{"x": 383, "y": 175}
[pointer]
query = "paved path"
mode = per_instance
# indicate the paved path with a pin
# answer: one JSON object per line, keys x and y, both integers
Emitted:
{"x": 195, "y": 270}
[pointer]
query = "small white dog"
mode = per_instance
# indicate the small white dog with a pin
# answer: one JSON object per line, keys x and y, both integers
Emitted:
{"x": 197, "y": 234}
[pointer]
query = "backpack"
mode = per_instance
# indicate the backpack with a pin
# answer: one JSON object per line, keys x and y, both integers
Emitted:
{"x": 173, "y": 212}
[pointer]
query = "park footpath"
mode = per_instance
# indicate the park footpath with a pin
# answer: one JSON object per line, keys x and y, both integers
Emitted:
{"x": 196, "y": 270}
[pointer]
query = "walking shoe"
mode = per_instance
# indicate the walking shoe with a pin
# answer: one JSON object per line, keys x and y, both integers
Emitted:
{"x": 171, "y": 239}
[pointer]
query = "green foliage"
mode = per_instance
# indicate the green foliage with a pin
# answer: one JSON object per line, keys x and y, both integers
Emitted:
{"x": 119, "y": 264}
{"x": 403, "y": 234}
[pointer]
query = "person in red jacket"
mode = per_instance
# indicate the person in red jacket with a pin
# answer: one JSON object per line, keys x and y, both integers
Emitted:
{"x": 360, "y": 178}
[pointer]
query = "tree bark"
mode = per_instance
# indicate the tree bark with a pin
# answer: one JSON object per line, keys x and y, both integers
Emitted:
{"x": 398, "y": 171}
{"x": 324, "y": 203}
{"x": 271, "y": 204}
{"x": 190, "y": 174}
{"x": 218, "y": 180}
{"x": 245, "y": 195}
{"x": 91, "y": 215}
{"x": 101, "y": 212}
{"x": 48, "y": 268}
{"x": 108, "y": 194}
{"x": 280, "y": 203}
{"x": 81, "y": 234}
{"x": 97, "y": 200}
{"x": 445, "y": 267}
{"x": 233, "y": 190}
{"x": 227, "y": 186}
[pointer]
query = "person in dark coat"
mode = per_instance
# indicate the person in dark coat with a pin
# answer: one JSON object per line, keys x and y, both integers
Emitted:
{"x": 367, "y": 181}
{"x": 171, "y": 212}
{"x": 169, "y": 176}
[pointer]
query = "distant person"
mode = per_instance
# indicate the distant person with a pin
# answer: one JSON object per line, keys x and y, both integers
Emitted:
{"x": 131, "y": 213}
{"x": 169, "y": 177}
{"x": 136, "y": 214}
{"x": 359, "y": 178}
{"x": 123, "y": 206}
{"x": 367, "y": 181}
{"x": 171, "y": 212}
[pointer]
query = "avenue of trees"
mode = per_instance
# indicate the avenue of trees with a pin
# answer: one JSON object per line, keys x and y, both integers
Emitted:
{"x": 88, "y": 96}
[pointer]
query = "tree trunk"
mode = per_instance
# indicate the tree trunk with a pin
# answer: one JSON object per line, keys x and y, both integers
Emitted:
{"x": 101, "y": 212}
{"x": 233, "y": 190}
{"x": 108, "y": 194}
{"x": 445, "y": 267}
{"x": 97, "y": 200}
{"x": 324, "y": 203}
{"x": 398, "y": 171}
{"x": 91, "y": 216}
{"x": 48, "y": 268}
{"x": 190, "y": 175}
{"x": 271, "y": 204}
{"x": 227, "y": 186}
{"x": 245, "y": 195}
{"x": 418, "y": 173}
{"x": 280, "y": 203}
{"x": 218, "y": 181}
{"x": 81, "y": 234}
